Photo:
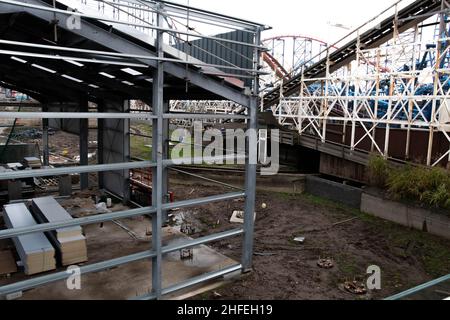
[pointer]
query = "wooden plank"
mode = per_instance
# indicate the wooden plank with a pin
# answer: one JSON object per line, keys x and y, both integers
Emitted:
{"x": 7, "y": 263}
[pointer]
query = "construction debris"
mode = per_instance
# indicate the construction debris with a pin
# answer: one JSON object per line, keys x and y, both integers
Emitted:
{"x": 355, "y": 287}
{"x": 32, "y": 162}
{"x": 325, "y": 263}
{"x": 187, "y": 228}
{"x": 300, "y": 239}
{"x": 187, "y": 254}
{"x": 237, "y": 217}
{"x": 15, "y": 166}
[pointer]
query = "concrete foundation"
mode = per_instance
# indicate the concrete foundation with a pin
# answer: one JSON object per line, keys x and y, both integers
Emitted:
{"x": 133, "y": 279}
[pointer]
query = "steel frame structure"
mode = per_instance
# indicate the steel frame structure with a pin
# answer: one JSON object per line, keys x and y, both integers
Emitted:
{"x": 372, "y": 93}
{"x": 159, "y": 117}
{"x": 286, "y": 56}
{"x": 222, "y": 110}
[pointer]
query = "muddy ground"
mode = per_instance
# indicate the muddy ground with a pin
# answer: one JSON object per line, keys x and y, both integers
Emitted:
{"x": 285, "y": 269}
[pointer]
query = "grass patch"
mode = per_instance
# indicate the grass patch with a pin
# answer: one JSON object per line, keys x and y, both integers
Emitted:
{"x": 140, "y": 147}
{"x": 429, "y": 187}
{"x": 378, "y": 171}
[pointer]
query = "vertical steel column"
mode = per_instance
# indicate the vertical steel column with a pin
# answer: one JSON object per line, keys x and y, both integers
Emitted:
{"x": 100, "y": 143}
{"x": 165, "y": 155}
{"x": 250, "y": 167}
{"x": 126, "y": 152}
{"x": 45, "y": 152}
{"x": 84, "y": 144}
{"x": 157, "y": 157}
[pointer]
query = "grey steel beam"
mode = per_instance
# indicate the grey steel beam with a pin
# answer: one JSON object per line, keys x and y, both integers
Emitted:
{"x": 121, "y": 55}
{"x": 203, "y": 12}
{"x": 193, "y": 281}
{"x": 84, "y": 144}
{"x": 75, "y": 115}
{"x": 207, "y": 239}
{"x": 250, "y": 170}
{"x": 45, "y": 142}
{"x": 165, "y": 155}
{"x": 202, "y": 201}
{"x": 158, "y": 157}
{"x": 115, "y": 21}
{"x": 12, "y": 175}
{"x": 419, "y": 288}
{"x": 126, "y": 153}
{"x": 50, "y": 278}
{"x": 205, "y": 116}
{"x": 203, "y": 278}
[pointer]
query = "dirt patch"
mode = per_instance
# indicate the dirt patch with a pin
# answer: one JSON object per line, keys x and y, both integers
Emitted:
{"x": 287, "y": 269}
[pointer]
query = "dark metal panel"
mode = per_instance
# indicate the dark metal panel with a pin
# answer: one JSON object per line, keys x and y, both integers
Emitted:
{"x": 214, "y": 52}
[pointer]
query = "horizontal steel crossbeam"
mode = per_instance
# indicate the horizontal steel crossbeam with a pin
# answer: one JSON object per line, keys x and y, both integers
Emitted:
{"x": 104, "y": 265}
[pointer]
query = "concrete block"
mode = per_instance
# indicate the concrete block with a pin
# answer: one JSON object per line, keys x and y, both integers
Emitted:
{"x": 334, "y": 191}
{"x": 386, "y": 209}
{"x": 408, "y": 216}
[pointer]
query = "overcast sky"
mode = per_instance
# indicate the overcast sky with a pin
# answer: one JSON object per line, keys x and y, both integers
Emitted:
{"x": 311, "y": 17}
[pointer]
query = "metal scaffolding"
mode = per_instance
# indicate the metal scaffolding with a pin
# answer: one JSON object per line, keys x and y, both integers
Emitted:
{"x": 158, "y": 19}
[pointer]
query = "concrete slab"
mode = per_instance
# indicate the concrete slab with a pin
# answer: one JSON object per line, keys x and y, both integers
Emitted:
{"x": 134, "y": 279}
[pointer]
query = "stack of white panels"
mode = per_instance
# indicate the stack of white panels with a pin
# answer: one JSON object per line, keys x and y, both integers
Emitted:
{"x": 70, "y": 243}
{"x": 33, "y": 162}
{"x": 35, "y": 250}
